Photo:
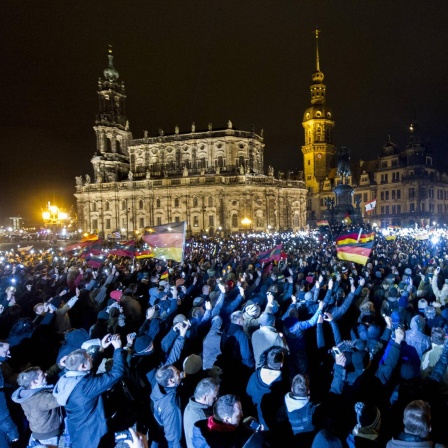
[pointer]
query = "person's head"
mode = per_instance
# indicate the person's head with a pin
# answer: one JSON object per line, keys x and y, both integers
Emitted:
{"x": 437, "y": 336}
{"x": 39, "y": 308}
{"x": 32, "y": 378}
{"x": 4, "y": 351}
{"x": 417, "y": 418}
{"x": 207, "y": 391}
{"x": 300, "y": 386}
{"x": 273, "y": 358}
{"x": 237, "y": 318}
{"x": 228, "y": 409}
{"x": 78, "y": 360}
{"x": 10, "y": 291}
{"x": 168, "y": 376}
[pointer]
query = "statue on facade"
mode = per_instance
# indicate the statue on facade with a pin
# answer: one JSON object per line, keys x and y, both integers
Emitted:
{"x": 130, "y": 175}
{"x": 165, "y": 173}
{"x": 87, "y": 179}
{"x": 78, "y": 180}
{"x": 210, "y": 126}
{"x": 193, "y": 127}
{"x": 218, "y": 170}
{"x": 145, "y": 133}
{"x": 176, "y": 129}
{"x": 148, "y": 174}
{"x": 126, "y": 128}
{"x": 241, "y": 169}
{"x": 270, "y": 170}
{"x": 161, "y": 132}
{"x": 343, "y": 166}
{"x": 202, "y": 171}
{"x": 229, "y": 125}
{"x": 262, "y": 133}
{"x": 185, "y": 171}
{"x": 247, "y": 169}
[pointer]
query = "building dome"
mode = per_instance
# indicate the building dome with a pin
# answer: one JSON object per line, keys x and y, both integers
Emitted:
{"x": 318, "y": 111}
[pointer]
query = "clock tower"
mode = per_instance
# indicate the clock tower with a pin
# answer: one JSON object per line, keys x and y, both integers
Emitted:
{"x": 318, "y": 150}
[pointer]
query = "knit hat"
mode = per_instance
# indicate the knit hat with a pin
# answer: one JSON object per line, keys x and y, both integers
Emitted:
{"x": 252, "y": 310}
{"x": 422, "y": 304}
{"x": 374, "y": 332}
{"x": 198, "y": 301}
{"x": 395, "y": 317}
{"x": 408, "y": 271}
{"x": 142, "y": 343}
{"x": 103, "y": 315}
{"x": 378, "y": 274}
{"x": 308, "y": 296}
{"x": 91, "y": 346}
{"x": 367, "y": 415}
{"x": 116, "y": 294}
{"x": 267, "y": 320}
{"x": 192, "y": 364}
{"x": 430, "y": 312}
{"x": 179, "y": 318}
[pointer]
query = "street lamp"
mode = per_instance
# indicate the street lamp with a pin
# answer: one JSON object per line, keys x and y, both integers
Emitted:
{"x": 246, "y": 222}
{"x": 54, "y": 217}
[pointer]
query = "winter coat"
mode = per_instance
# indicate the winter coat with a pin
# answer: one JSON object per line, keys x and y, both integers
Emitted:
{"x": 166, "y": 409}
{"x": 194, "y": 411}
{"x": 415, "y": 335}
{"x": 300, "y": 411}
{"x": 405, "y": 440}
{"x": 235, "y": 346}
{"x": 211, "y": 345}
{"x": 441, "y": 294}
{"x": 267, "y": 398}
{"x": 42, "y": 411}
{"x": 7, "y": 424}
{"x": 80, "y": 393}
{"x": 263, "y": 338}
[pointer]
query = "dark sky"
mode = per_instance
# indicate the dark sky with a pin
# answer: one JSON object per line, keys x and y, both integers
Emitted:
{"x": 385, "y": 64}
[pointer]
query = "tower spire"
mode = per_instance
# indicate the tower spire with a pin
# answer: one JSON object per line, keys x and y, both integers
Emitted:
{"x": 316, "y": 33}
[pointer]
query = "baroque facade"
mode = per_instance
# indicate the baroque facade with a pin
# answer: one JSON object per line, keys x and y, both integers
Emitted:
{"x": 409, "y": 188}
{"x": 214, "y": 179}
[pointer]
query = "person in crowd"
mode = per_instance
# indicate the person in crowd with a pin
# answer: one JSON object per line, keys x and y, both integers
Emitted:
{"x": 43, "y": 412}
{"x": 80, "y": 391}
{"x": 199, "y": 407}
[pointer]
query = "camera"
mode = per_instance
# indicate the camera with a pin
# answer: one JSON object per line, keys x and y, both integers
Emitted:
{"x": 121, "y": 436}
{"x": 255, "y": 425}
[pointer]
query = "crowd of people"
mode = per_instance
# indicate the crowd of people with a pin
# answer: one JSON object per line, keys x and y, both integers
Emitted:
{"x": 226, "y": 349}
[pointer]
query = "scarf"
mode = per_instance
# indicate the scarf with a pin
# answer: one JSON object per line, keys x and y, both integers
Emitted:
{"x": 215, "y": 425}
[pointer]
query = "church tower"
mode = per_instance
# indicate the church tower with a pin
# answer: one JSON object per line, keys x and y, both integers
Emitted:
{"x": 110, "y": 162}
{"x": 318, "y": 150}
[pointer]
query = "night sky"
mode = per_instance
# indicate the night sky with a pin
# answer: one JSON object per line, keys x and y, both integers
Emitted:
{"x": 385, "y": 65}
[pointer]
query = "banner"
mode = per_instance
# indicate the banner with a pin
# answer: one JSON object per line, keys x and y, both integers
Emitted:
{"x": 355, "y": 247}
{"x": 370, "y": 205}
{"x": 126, "y": 249}
{"x": 274, "y": 254}
{"x": 323, "y": 222}
{"x": 166, "y": 241}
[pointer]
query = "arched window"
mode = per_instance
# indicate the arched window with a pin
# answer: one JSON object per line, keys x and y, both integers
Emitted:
{"x": 123, "y": 204}
{"x": 234, "y": 220}
{"x": 141, "y": 204}
{"x": 176, "y": 202}
{"x": 94, "y": 206}
{"x": 195, "y": 201}
{"x": 107, "y": 205}
{"x": 158, "y": 203}
{"x": 210, "y": 201}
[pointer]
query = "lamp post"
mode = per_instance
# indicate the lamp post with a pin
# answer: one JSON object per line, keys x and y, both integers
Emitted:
{"x": 246, "y": 222}
{"x": 54, "y": 218}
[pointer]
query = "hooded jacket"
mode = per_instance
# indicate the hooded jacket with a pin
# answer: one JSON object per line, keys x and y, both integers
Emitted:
{"x": 211, "y": 345}
{"x": 300, "y": 412}
{"x": 194, "y": 411}
{"x": 80, "y": 393}
{"x": 415, "y": 335}
{"x": 42, "y": 411}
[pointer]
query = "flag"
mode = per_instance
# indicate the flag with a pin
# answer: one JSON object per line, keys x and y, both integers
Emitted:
{"x": 126, "y": 249}
{"x": 421, "y": 236}
{"x": 144, "y": 254}
{"x": 92, "y": 248}
{"x": 347, "y": 220}
{"x": 370, "y": 205}
{"x": 391, "y": 237}
{"x": 323, "y": 222}
{"x": 355, "y": 247}
{"x": 88, "y": 238}
{"x": 274, "y": 254}
{"x": 166, "y": 241}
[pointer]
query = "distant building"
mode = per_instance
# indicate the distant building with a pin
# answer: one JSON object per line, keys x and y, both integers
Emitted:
{"x": 212, "y": 178}
{"x": 408, "y": 187}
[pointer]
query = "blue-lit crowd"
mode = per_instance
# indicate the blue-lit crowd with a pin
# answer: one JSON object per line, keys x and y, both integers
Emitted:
{"x": 227, "y": 348}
